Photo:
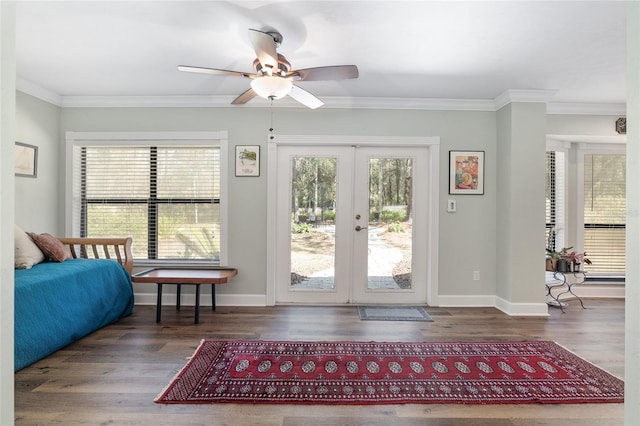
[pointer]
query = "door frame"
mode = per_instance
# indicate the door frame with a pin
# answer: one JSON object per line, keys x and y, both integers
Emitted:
{"x": 360, "y": 292}
{"x": 433, "y": 172}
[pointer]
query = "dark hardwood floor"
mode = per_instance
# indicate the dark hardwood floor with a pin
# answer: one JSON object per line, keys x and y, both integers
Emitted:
{"x": 112, "y": 376}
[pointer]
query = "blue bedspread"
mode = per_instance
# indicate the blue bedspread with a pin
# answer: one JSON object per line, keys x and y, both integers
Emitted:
{"x": 58, "y": 303}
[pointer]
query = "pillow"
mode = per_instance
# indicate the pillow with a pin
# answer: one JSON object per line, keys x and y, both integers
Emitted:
{"x": 26, "y": 252}
{"x": 52, "y": 247}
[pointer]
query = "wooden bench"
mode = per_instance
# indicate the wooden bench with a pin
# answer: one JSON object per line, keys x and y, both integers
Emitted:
{"x": 186, "y": 276}
{"x": 118, "y": 249}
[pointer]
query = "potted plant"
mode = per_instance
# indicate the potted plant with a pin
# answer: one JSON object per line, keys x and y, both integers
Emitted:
{"x": 575, "y": 260}
{"x": 565, "y": 260}
{"x": 557, "y": 260}
{"x": 552, "y": 254}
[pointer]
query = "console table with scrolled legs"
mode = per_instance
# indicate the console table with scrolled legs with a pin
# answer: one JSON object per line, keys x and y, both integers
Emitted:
{"x": 561, "y": 283}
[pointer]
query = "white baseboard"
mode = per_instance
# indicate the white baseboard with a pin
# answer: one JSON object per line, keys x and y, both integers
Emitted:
{"x": 522, "y": 309}
{"x": 466, "y": 301}
{"x": 509, "y": 308}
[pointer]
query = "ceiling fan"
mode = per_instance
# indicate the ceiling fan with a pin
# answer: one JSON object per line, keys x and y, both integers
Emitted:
{"x": 274, "y": 77}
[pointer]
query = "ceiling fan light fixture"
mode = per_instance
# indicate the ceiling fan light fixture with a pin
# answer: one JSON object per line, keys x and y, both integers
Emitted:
{"x": 270, "y": 87}
{"x": 273, "y": 77}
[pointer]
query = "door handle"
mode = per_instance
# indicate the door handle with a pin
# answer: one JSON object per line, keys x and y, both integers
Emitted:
{"x": 360, "y": 228}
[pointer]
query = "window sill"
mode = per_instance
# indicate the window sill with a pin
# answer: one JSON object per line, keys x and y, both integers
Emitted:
{"x": 605, "y": 280}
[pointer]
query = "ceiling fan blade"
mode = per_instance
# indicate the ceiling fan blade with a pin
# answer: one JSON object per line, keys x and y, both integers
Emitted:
{"x": 336, "y": 72}
{"x": 244, "y": 97}
{"x": 265, "y": 48}
{"x": 203, "y": 70}
{"x": 305, "y": 98}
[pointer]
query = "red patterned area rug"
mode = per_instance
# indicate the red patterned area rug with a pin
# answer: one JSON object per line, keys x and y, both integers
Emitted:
{"x": 389, "y": 373}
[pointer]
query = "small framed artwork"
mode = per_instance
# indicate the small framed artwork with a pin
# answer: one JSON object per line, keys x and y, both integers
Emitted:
{"x": 466, "y": 172}
{"x": 26, "y": 160}
{"x": 247, "y": 160}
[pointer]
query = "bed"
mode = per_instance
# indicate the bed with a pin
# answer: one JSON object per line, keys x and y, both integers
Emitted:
{"x": 58, "y": 302}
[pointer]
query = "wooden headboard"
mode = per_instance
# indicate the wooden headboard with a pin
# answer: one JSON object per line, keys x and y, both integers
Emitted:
{"x": 102, "y": 248}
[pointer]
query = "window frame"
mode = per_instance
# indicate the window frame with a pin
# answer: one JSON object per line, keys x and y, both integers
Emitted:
{"x": 583, "y": 149}
{"x": 573, "y": 230}
{"x": 563, "y": 221}
{"x": 80, "y": 139}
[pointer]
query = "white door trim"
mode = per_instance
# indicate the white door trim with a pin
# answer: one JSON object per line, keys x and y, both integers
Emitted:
{"x": 432, "y": 142}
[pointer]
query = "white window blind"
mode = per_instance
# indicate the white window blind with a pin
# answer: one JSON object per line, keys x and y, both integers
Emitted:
{"x": 605, "y": 213}
{"x": 167, "y": 198}
{"x": 555, "y": 199}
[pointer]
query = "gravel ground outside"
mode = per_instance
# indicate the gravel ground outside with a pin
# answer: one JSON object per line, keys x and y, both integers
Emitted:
{"x": 313, "y": 252}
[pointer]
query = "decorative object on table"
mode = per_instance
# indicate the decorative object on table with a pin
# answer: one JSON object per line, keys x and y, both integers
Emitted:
{"x": 26, "y": 160}
{"x": 393, "y": 313}
{"x": 340, "y": 372}
{"x": 621, "y": 125}
{"x": 556, "y": 260}
{"x": 466, "y": 172}
{"x": 575, "y": 260}
{"x": 247, "y": 160}
{"x": 550, "y": 264}
{"x": 562, "y": 265}
{"x": 565, "y": 260}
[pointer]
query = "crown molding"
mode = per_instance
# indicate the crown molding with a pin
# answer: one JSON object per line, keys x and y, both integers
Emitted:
{"x": 37, "y": 91}
{"x": 522, "y": 95}
{"x": 335, "y": 102}
{"x": 430, "y": 104}
{"x": 144, "y": 101}
{"x": 587, "y": 109}
{"x": 567, "y": 140}
{"x": 225, "y": 102}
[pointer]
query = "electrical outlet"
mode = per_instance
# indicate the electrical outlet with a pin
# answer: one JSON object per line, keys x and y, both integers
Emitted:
{"x": 476, "y": 275}
{"x": 451, "y": 206}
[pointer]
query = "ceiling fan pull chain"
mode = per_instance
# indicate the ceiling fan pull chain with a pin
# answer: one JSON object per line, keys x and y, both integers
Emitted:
{"x": 271, "y": 136}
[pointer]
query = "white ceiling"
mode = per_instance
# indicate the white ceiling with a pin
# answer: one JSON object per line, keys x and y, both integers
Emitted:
{"x": 405, "y": 51}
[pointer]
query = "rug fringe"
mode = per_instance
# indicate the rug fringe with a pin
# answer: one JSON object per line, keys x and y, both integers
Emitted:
{"x": 175, "y": 376}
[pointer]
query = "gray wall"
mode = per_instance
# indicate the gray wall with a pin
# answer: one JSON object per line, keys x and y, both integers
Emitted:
{"x": 39, "y": 200}
{"x": 465, "y": 235}
{"x": 521, "y": 197}
{"x": 468, "y": 238}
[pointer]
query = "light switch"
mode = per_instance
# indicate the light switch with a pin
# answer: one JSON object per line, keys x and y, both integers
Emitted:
{"x": 451, "y": 206}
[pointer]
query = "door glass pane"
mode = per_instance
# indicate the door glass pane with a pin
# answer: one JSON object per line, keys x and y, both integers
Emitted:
{"x": 389, "y": 232}
{"x": 313, "y": 211}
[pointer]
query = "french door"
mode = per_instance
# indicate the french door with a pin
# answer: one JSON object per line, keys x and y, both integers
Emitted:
{"x": 351, "y": 224}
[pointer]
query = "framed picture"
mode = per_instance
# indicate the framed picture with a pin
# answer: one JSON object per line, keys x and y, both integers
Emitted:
{"x": 247, "y": 160}
{"x": 26, "y": 160}
{"x": 466, "y": 172}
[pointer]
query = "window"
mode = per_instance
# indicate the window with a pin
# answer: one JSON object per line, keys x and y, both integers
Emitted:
{"x": 555, "y": 199}
{"x": 164, "y": 192}
{"x": 599, "y": 197}
{"x": 605, "y": 213}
